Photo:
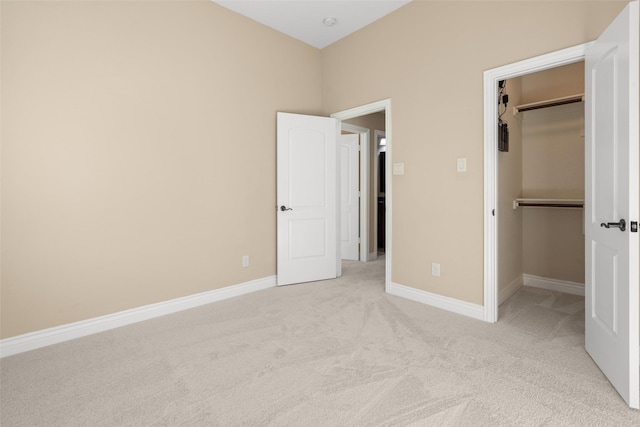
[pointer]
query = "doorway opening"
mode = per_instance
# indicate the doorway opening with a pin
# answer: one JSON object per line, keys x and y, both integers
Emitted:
{"x": 492, "y": 81}
{"x": 540, "y": 206}
{"x": 371, "y": 189}
{"x": 353, "y": 121}
{"x": 379, "y": 187}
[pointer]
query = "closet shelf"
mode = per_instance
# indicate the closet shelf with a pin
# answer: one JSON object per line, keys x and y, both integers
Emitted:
{"x": 548, "y": 203}
{"x": 548, "y": 103}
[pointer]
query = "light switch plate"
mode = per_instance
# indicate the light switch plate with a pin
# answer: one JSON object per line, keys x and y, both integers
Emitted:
{"x": 398, "y": 168}
{"x": 462, "y": 164}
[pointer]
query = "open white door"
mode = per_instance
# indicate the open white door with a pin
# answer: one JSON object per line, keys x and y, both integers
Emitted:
{"x": 611, "y": 198}
{"x": 350, "y": 202}
{"x": 307, "y": 194}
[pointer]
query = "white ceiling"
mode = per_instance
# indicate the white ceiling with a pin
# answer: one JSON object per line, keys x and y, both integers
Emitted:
{"x": 303, "y": 19}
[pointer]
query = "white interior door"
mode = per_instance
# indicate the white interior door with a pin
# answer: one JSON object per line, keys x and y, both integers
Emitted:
{"x": 350, "y": 201}
{"x": 307, "y": 196}
{"x": 611, "y": 196}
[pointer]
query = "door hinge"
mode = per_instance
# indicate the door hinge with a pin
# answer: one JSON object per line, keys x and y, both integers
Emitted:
{"x": 634, "y": 226}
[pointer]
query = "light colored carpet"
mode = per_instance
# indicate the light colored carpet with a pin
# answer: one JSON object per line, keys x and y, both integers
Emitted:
{"x": 332, "y": 353}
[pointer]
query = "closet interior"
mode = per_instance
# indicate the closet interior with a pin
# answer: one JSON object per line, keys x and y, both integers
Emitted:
{"x": 541, "y": 182}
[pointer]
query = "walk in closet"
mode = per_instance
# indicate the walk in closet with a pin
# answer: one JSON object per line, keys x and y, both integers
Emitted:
{"x": 541, "y": 182}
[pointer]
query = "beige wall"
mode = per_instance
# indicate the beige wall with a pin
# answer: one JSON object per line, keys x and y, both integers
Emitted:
{"x": 553, "y": 152}
{"x": 554, "y": 83}
{"x": 553, "y": 156}
{"x": 373, "y": 122}
{"x": 553, "y": 243}
{"x": 434, "y": 54}
{"x": 553, "y": 166}
{"x": 138, "y": 153}
{"x": 509, "y": 188}
{"x": 138, "y": 141}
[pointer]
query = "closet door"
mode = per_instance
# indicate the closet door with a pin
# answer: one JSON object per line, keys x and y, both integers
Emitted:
{"x": 611, "y": 204}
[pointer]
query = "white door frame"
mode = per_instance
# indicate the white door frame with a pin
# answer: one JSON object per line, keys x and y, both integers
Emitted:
{"x": 491, "y": 78}
{"x": 365, "y": 135}
{"x": 376, "y": 107}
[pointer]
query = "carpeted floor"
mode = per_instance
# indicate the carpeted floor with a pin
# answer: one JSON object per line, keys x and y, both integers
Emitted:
{"x": 332, "y": 353}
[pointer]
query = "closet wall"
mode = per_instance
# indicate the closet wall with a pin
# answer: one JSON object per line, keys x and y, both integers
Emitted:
{"x": 545, "y": 160}
{"x": 553, "y": 167}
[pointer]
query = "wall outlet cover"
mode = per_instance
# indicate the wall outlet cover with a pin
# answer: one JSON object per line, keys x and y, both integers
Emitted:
{"x": 435, "y": 269}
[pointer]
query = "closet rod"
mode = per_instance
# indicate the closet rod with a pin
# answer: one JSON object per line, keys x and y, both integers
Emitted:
{"x": 549, "y": 103}
{"x": 548, "y": 203}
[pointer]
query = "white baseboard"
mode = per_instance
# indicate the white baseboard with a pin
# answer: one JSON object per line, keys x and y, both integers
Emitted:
{"x": 58, "y": 334}
{"x": 553, "y": 284}
{"x": 511, "y": 289}
{"x": 445, "y": 303}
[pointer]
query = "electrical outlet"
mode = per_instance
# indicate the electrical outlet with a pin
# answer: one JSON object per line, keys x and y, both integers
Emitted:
{"x": 245, "y": 261}
{"x": 435, "y": 269}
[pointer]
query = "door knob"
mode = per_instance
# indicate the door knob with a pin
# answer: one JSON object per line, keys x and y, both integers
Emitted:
{"x": 284, "y": 208}
{"x": 622, "y": 225}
